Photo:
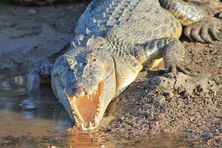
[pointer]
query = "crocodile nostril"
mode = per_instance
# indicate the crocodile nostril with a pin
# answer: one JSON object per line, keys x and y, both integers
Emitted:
{"x": 79, "y": 91}
{"x": 75, "y": 91}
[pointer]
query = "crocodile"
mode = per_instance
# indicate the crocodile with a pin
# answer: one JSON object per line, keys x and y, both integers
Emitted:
{"x": 115, "y": 40}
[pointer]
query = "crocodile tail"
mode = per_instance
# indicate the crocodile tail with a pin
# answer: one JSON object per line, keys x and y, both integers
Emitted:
{"x": 185, "y": 12}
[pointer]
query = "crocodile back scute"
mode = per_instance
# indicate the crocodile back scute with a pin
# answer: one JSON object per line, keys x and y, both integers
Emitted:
{"x": 148, "y": 21}
{"x": 136, "y": 21}
{"x": 103, "y": 15}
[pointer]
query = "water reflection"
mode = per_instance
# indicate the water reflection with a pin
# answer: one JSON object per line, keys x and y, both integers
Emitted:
{"x": 39, "y": 117}
{"x": 21, "y": 114}
{"x": 96, "y": 139}
{"x": 41, "y": 121}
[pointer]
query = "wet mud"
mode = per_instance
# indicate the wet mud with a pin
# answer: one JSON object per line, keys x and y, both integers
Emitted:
{"x": 156, "y": 105}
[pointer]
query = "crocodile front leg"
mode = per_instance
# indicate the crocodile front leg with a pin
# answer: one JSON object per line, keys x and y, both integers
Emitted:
{"x": 37, "y": 76}
{"x": 198, "y": 25}
{"x": 170, "y": 49}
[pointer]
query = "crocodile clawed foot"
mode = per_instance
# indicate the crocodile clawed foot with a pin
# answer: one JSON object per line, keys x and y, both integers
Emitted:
{"x": 176, "y": 68}
{"x": 205, "y": 31}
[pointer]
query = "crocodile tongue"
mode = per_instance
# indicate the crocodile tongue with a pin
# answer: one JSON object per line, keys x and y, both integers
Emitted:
{"x": 87, "y": 107}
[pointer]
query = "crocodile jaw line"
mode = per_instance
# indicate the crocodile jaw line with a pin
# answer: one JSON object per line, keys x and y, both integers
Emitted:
{"x": 87, "y": 108}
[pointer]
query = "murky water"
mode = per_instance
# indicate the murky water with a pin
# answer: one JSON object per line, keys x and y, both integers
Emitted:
{"x": 23, "y": 116}
{"x": 42, "y": 122}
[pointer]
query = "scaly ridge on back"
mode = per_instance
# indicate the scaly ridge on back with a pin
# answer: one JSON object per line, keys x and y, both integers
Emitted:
{"x": 101, "y": 16}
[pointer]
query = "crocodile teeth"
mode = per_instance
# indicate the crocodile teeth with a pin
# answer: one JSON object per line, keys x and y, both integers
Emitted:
{"x": 98, "y": 107}
{"x": 88, "y": 31}
{"x": 72, "y": 101}
{"x": 82, "y": 125}
{"x": 90, "y": 125}
{"x": 89, "y": 97}
{"x": 94, "y": 20}
{"x": 73, "y": 45}
{"x": 81, "y": 37}
{"x": 96, "y": 120}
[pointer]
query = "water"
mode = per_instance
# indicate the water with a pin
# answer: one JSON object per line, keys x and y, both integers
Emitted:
{"x": 23, "y": 116}
{"x": 43, "y": 122}
{"x": 38, "y": 121}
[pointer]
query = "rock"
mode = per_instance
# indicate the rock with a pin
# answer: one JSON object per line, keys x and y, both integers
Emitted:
{"x": 28, "y": 105}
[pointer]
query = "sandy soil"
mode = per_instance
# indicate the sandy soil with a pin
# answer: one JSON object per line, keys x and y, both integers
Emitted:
{"x": 156, "y": 103}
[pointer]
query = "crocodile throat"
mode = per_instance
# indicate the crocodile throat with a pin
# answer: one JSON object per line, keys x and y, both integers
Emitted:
{"x": 86, "y": 108}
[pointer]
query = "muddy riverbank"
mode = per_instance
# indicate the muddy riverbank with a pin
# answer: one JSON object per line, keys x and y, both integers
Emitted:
{"x": 167, "y": 103}
{"x": 158, "y": 109}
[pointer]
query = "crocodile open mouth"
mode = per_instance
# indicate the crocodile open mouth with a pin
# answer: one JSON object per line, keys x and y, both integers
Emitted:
{"x": 86, "y": 109}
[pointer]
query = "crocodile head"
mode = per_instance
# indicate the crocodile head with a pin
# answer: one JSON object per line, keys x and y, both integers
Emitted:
{"x": 85, "y": 84}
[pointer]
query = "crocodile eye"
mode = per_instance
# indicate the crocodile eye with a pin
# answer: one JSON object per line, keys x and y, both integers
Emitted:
{"x": 91, "y": 58}
{"x": 135, "y": 65}
{"x": 69, "y": 61}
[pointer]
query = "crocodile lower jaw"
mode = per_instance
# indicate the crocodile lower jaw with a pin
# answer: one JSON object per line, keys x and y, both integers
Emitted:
{"x": 86, "y": 109}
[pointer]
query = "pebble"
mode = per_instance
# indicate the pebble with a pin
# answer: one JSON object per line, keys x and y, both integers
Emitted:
{"x": 32, "y": 11}
{"x": 28, "y": 105}
{"x": 19, "y": 80}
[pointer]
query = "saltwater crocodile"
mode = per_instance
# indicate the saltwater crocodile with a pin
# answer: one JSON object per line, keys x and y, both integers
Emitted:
{"x": 114, "y": 40}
